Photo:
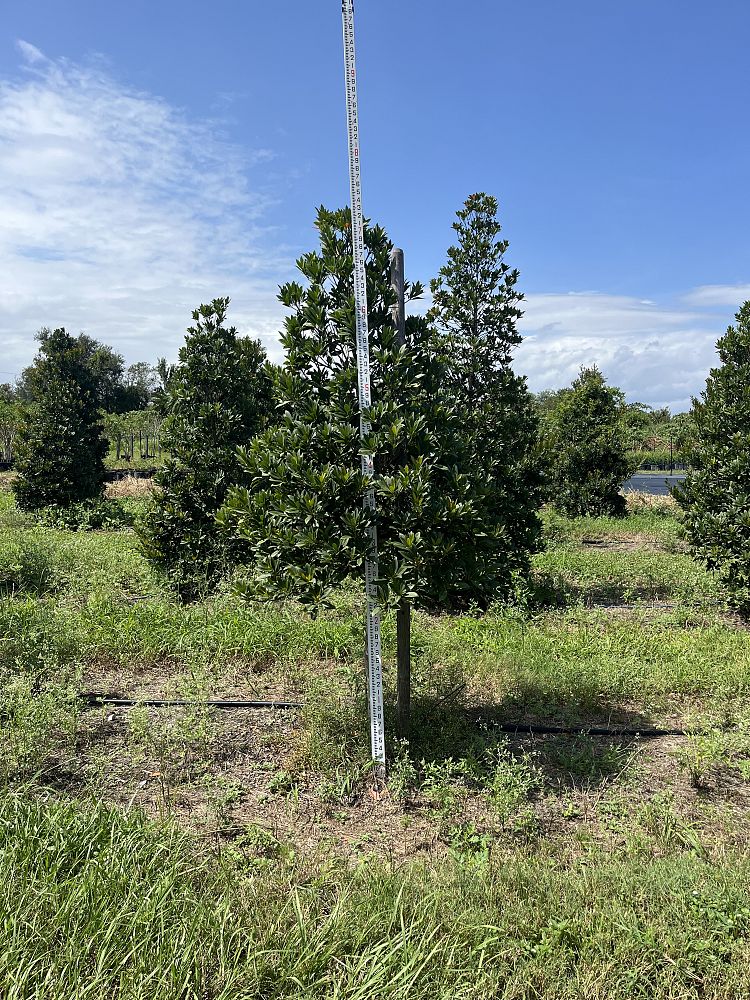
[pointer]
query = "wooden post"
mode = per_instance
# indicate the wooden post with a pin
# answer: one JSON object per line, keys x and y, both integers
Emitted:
{"x": 403, "y": 612}
{"x": 398, "y": 312}
{"x": 403, "y": 667}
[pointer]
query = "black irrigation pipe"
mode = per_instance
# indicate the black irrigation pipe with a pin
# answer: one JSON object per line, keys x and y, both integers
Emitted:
{"x": 519, "y": 728}
{"x": 514, "y": 728}
{"x": 102, "y": 699}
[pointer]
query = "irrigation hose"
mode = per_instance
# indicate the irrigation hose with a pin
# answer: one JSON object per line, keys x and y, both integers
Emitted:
{"x": 103, "y": 699}
{"x": 647, "y": 733}
{"x": 513, "y": 728}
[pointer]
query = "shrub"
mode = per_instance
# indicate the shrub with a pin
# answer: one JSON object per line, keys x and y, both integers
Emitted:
{"x": 588, "y": 462}
{"x": 60, "y": 452}
{"x": 218, "y": 397}
{"x": 88, "y": 515}
{"x": 716, "y": 494}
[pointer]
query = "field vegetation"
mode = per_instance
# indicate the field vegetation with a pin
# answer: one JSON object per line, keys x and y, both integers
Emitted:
{"x": 197, "y": 852}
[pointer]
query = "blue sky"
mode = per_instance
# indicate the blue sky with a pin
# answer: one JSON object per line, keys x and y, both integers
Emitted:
{"x": 154, "y": 155}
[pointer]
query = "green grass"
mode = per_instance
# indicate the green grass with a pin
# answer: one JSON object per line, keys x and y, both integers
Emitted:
{"x": 553, "y": 868}
{"x": 97, "y": 903}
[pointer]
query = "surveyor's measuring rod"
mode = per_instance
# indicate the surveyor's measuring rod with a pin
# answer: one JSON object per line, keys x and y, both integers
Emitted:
{"x": 374, "y": 657}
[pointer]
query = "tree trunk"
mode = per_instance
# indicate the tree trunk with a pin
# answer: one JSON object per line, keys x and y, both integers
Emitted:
{"x": 403, "y": 667}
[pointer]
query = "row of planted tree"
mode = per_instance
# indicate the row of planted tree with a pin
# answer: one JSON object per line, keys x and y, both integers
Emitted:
{"x": 263, "y": 468}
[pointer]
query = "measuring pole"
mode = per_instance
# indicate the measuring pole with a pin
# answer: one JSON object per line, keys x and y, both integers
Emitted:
{"x": 372, "y": 623}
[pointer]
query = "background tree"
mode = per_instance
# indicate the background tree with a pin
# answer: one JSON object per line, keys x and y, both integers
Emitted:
{"x": 60, "y": 449}
{"x": 218, "y": 397}
{"x": 139, "y": 383}
{"x": 116, "y": 391}
{"x": 476, "y": 308}
{"x": 587, "y": 450}
{"x": 164, "y": 373}
{"x": 716, "y": 494}
{"x": 11, "y": 415}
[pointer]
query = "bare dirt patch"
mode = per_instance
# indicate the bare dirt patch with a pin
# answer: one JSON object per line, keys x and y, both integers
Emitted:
{"x": 237, "y": 776}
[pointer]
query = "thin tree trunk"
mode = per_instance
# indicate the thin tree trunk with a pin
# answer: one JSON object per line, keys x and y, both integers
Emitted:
{"x": 403, "y": 667}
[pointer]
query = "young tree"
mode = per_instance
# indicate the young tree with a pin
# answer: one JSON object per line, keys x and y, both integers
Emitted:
{"x": 10, "y": 421}
{"x": 588, "y": 461}
{"x": 476, "y": 307}
{"x": 60, "y": 448}
{"x": 107, "y": 370}
{"x": 139, "y": 383}
{"x": 218, "y": 398}
{"x": 302, "y": 513}
{"x": 716, "y": 494}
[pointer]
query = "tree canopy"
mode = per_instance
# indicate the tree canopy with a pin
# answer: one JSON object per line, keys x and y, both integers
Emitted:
{"x": 716, "y": 494}
{"x": 60, "y": 449}
{"x": 301, "y": 511}
{"x": 218, "y": 397}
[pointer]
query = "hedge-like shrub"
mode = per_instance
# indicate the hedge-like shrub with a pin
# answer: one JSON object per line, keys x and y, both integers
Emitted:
{"x": 716, "y": 494}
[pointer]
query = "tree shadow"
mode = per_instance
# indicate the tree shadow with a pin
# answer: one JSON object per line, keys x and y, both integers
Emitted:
{"x": 453, "y": 727}
{"x": 550, "y": 591}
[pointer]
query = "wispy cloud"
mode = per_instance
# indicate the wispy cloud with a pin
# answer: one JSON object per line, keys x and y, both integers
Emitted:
{"x": 120, "y": 215}
{"x": 659, "y": 353}
{"x": 723, "y": 296}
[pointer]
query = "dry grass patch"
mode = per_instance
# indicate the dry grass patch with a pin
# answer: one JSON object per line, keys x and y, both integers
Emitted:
{"x": 130, "y": 487}
{"x": 639, "y": 503}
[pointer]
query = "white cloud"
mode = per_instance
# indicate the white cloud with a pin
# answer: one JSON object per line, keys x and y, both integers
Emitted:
{"x": 658, "y": 353}
{"x": 120, "y": 215}
{"x": 731, "y": 296}
{"x": 30, "y": 52}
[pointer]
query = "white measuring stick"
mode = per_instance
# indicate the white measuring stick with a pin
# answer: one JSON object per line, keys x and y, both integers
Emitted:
{"x": 374, "y": 657}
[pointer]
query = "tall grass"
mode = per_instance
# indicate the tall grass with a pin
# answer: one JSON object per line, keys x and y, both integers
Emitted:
{"x": 98, "y": 904}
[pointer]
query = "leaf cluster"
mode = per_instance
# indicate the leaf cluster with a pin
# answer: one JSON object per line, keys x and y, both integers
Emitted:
{"x": 218, "y": 397}
{"x": 716, "y": 494}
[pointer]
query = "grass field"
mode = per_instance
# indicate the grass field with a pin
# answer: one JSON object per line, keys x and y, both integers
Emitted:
{"x": 179, "y": 853}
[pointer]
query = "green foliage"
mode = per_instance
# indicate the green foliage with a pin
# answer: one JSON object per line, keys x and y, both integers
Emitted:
{"x": 716, "y": 494}
{"x": 60, "y": 450}
{"x": 476, "y": 307}
{"x": 302, "y": 512}
{"x": 88, "y": 515}
{"x": 11, "y": 414}
{"x": 218, "y": 398}
{"x": 117, "y": 389}
{"x": 28, "y": 564}
{"x": 586, "y": 448}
